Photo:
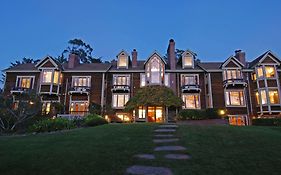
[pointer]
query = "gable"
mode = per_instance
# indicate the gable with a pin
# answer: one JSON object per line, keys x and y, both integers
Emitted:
{"x": 269, "y": 58}
{"x": 231, "y": 64}
{"x": 155, "y": 54}
{"x": 48, "y": 64}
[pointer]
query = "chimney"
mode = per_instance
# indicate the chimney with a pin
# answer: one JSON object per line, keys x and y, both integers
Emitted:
{"x": 73, "y": 60}
{"x": 172, "y": 54}
{"x": 241, "y": 56}
{"x": 134, "y": 58}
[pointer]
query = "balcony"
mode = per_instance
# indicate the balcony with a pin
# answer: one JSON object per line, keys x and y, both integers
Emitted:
{"x": 120, "y": 88}
{"x": 20, "y": 90}
{"x": 234, "y": 83}
{"x": 191, "y": 88}
{"x": 79, "y": 90}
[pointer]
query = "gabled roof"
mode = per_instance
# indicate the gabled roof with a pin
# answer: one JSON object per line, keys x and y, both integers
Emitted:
{"x": 46, "y": 59}
{"x": 235, "y": 61}
{"x": 155, "y": 53}
{"x": 22, "y": 68}
{"x": 260, "y": 58}
{"x": 189, "y": 51}
{"x": 210, "y": 65}
{"x": 122, "y": 51}
{"x": 88, "y": 67}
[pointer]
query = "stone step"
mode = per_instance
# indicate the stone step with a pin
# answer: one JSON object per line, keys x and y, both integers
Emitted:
{"x": 145, "y": 156}
{"x": 165, "y": 140}
{"x": 177, "y": 156}
{"x": 168, "y": 126}
{"x": 164, "y": 135}
{"x": 165, "y": 130}
{"x": 169, "y": 148}
{"x": 148, "y": 170}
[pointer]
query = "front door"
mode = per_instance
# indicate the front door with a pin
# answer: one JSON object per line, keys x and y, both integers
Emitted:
{"x": 154, "y": 114}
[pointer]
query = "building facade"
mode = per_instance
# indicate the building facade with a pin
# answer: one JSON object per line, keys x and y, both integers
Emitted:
{"x": 241, "y": 89}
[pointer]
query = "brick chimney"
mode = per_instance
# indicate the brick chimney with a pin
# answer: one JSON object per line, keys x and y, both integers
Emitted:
{"x": 73, "y": 60}
{"x": 172, "y": 54}
{"x": 241, "y": 56}
{"x": 134, "y": 58}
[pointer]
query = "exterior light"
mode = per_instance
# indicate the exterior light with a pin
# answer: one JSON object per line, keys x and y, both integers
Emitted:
{"x": 31, "y": 102}
{"x": 222, "y": 112}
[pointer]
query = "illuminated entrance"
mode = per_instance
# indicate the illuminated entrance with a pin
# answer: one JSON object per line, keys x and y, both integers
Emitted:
{"x": 154, "y": 114}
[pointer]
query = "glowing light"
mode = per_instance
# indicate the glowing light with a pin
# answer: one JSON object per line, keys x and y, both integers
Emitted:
{"x": 222, "y": 112}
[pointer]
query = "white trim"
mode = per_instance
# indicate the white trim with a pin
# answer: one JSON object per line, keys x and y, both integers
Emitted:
{"x": 112, "y": 98}
{"x": 265, "y": 56}
{"x": 82, "y": 76}
{"x": 235, "y": 90}
{"x": 199, "y": 100}
{"x": 231, "y": 58}
{"x": 127, "y": 60}
{"x": 25, "y": 76}
{"x": 48, "y": 58}
{"x": 210, "y": 89}
{"x": 155, "y": 53}
{"x": 184, "y": 54}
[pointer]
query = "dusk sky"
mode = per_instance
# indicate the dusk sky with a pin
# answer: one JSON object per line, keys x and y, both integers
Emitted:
{"x": 212, "y": 29}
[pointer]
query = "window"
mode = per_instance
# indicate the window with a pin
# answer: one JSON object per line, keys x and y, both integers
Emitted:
{"x": 47, "y": 76}
{"x": 121, "y": 80}
{"x": 123, "y": 116}
{"x": 254, "y": 76}
{"x": 269, "y": 71}
{"x": 258, "y": 98}
{"x": 142, "y": 112}
{"x": 189, "y": 80}
{"x": 235, "y": 98}
{"x": 122, "y": 61}
{"x": 187, "y": 61}
{"x": 273, "y": 96}
{"x": 56, "y": 77}
{"x": 232, "y": 74}
{"x": 263, "y": 97}
{"x": 80, "y": 107}
{"x": 191, "y": 101}
{"x": 46, "y": 107}
{"x": 167, "y": 78}
{"x": 25, "y": 82}
{"x": 142, "y": 80}
{"x": 155, "y": 71}
{"x": 119, "y": 100}
{"x": 81, "y": 81}
{"x": 260, "y": 72}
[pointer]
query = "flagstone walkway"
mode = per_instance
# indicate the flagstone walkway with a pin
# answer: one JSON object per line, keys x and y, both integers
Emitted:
{"x": 164, "y": 134}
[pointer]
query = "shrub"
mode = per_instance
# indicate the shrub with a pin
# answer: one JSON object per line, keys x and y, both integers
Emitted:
{"x": 48, "y": 125}
{"x": 267, "y": 122}
{"x": 198, "y": 114}
{"x": 94, "y": 120}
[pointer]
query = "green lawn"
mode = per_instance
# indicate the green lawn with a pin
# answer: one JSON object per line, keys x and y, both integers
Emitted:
{"x": 109, "y": 149}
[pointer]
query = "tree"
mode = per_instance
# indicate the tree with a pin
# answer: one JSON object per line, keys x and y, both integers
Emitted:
{"x": 154, "y": 96}
{"x": 80, "y": 48}
{"x": 11, "y": 115}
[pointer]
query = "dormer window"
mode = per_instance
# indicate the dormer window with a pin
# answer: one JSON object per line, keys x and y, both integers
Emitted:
{"x": 123, "y": 60}
{"x": 187, "y": 60}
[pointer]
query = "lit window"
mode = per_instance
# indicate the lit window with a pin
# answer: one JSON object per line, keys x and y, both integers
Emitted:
{"x": 269, "y": 71}
{"x": 80, "y": 107}
{"x": 263, "y": 97}
{"x": 187, "y": 61}
{"x": 155, "y": 71}
{"x": 123, "y": 117}
{"x": 142, "y": 80}
{"x": 119, "y": 100}
{"x": 189, "y": 80}
{"x": 234, "y": 98}
{"x": 24, "y": 82}
{"x": 56, "y": 77}
{"x": 47, "y": 76}
{"x": 273, "y": 96}
{"x": 81, "y": 81}
{"x": 232, "y": 74}
{"x": 254, "y": 76}
{"x": 46, "y": 107}
{"x": 167, "y": 82}
{"x": 122, "y": 61}
{"x": 121, "y": 80}
{"x": 260, "y": 72}
{"x": 258, "y": 98}
{"x": 191, "y": 101}
{"x": 142, "y": 112}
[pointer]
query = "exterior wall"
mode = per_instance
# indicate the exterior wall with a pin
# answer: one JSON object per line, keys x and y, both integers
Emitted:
{"x": 217, "y": 90}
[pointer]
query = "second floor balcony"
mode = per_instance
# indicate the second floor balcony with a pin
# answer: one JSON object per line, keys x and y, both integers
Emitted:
{"x": 16, "y": 90}
{"x": 79, "y": 90}
{"x": 191, "y": 88}
{"x": 120, "y": 88}
{"x": 234, "y": 83}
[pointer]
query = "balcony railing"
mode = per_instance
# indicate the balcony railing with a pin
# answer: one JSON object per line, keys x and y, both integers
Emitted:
{"x": 79, "y": 89}
{"x": 190, "y": 88}
{"x": 122, "y": 88}
{"x": 20, "y": 90}
{"x": 238, "y": 82}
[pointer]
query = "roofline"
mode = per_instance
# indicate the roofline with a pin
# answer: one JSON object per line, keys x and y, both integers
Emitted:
{"x": 154, "y": 52}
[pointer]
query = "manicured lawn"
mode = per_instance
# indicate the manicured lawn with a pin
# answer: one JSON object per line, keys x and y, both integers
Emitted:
{"x": 109, "y": 149}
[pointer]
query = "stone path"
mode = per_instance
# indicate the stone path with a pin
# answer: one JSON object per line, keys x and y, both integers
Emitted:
{"x": 163, "y": 134}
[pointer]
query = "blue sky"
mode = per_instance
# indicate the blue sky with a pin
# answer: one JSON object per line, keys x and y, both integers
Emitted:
{"x": 212, "y": 29}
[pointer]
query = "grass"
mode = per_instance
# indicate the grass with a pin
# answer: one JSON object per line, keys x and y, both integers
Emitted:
{"x": 109, "y": 149}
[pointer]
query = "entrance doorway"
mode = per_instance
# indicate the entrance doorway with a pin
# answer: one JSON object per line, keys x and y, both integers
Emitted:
{"x": 155, "y": 114}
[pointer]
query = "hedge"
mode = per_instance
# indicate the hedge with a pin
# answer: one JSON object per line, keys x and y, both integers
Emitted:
{"x": 267, "y": 122}
{"x": 198, "y": 114}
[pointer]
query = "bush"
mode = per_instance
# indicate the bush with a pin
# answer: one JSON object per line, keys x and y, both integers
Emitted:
{"x": 198, "y": 114}
{"x": 94, "y": 120}
{"x": 52, "y": 125}
{"x": 267, "y": 122}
